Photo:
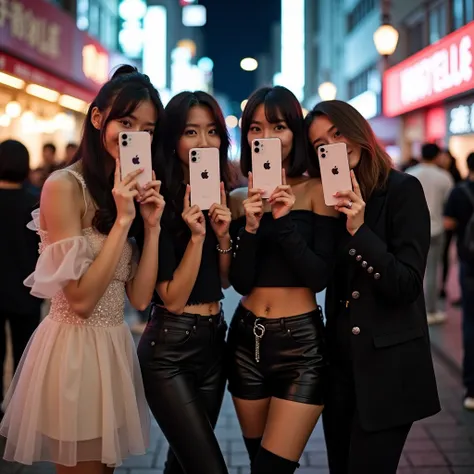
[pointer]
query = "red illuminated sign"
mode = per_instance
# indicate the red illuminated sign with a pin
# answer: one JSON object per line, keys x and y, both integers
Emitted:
{"x": 437, "y": 72}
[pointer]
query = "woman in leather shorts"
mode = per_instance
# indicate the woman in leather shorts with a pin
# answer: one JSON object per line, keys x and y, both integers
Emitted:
{"x": 283, "y": 256}
{"x": 181, "y": 352}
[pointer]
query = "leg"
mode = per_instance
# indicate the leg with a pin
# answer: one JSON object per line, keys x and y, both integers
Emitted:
{"x": 22, "y": 327}
{"x": 448, "y": 236}
{"x": 431, "y": 280}
{"x": 338, "y": 417}
{"x": 87, "y": 467}
{"x": 181, "y": 414}
{"x": 252, "y": 415}
{"x": 376, "y": 452}
{"x": 467, "y": 289}
{"x": 289, "y": 426}
{"x": 211, "y": 394}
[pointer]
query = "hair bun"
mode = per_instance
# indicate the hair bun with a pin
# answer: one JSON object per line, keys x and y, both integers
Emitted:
{"x": 123, "y": 70}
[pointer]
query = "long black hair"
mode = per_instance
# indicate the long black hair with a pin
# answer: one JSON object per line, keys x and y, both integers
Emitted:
{"x": 279, "y": 103}
{"x": 176, "y": 113}
{"x": 122, "y": 94}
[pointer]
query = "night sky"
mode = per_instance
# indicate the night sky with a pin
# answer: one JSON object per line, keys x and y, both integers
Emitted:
{"x": 236, "y": 29}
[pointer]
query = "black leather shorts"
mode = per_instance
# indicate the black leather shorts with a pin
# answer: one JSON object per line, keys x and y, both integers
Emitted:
{"x": 289, "y": 363}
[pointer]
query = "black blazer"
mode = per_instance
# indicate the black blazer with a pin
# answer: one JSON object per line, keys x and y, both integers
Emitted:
{"x": 380, "y": 273}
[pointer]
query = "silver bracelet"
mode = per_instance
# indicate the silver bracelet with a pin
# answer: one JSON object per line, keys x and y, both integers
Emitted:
{"x": 222, "y": 251}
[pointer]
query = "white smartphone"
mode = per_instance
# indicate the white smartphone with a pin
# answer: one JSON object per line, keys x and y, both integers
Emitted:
{"x": 135, "y": 153}
{"x": 266, "y": 164}
{"x": 204, "y": 177}
{"x": 335, "y": 172}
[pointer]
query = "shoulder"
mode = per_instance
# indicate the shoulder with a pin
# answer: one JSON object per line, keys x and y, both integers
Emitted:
{"x": 397, "y": 180}
{"x": 314, "y": 188}
{"x": 236, "y": 199}
{"x": 63, "y": 182}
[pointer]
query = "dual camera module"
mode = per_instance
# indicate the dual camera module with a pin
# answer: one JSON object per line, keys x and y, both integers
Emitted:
{"x": 257, "y": 144}
{"x": 124, "y": 139}
{"x": 323, "y": 152}
{"x": 193, "y": 156}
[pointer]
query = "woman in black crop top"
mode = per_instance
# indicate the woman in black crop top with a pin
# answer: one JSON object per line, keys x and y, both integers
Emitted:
{"x": 181, "y": 352}
{"x": 283, "y": 255}
{"x": 381, "y": 376}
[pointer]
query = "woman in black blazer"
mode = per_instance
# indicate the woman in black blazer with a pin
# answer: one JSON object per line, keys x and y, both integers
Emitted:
{"x": 381, "y": 376}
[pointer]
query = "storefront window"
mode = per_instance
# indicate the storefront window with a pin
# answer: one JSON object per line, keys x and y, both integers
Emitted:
{"x": 415, "y": 34}
{"x": 458, "y": 13}
{"x": 437, "y": 23}
{"x": 469, "y": 10}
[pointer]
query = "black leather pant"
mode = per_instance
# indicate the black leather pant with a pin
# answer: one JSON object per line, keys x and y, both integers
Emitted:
{"x": 182, "y": 362}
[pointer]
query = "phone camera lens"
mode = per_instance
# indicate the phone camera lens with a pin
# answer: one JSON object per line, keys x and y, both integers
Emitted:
{"x": 323, "y": 155}
{"x": 194, "y": 159}
{"x": 256, "y": 143}
{"x": 124, "y": 143}
{"x": 194, "y": 153}
{"x": 124, "y": 136}
{"x": 257, "y": 150}
{"x": 322, "y": 150}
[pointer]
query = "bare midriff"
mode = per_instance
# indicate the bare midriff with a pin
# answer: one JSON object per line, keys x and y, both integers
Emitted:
{"x": 203, "y": 309}
{"x": 280, "y": 302}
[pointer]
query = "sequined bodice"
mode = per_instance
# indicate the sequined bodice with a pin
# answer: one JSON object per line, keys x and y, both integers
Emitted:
{"x": 110, "y": 308}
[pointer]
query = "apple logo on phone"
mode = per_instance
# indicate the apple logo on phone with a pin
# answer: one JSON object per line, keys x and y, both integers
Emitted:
{"x": 335, "y": 170}
{"x": 205, "y": 174}
{"x": 136, "y": 160}
{"x": 266, "y": 165}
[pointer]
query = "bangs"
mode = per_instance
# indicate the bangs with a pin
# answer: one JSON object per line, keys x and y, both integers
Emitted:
{"x": 272, "y": 106}
{"x": 127, "y": 101}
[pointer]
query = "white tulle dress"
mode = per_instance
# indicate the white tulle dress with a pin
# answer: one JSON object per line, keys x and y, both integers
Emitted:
{"x": 78, "y": 392}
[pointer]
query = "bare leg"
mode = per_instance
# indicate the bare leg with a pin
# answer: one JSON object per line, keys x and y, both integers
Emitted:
{"x": 289, "y": 426}
{"x": 88, "y": 467}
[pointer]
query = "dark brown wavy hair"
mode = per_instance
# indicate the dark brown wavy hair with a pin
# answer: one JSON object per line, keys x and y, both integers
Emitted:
{"x": 374, "y": 165}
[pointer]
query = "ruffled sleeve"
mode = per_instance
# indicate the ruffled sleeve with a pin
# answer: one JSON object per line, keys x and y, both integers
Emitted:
{"x": 59, "y": 263}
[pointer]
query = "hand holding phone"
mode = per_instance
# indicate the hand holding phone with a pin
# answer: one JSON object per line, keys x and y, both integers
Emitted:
{"x": 335, "y": 172}
{"x": 253, "y": 207}
{"x": 135, "y": 154}
{"x": 352, "y": 205}
{"x": 266, "y": 165}
{"x": 204, "y": 177}
{"x": 282, "y": 199}
{"x": 193, "y": 216}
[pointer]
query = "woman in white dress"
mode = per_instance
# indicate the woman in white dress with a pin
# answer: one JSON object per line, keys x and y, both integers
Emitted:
{"x": 77, "y": 398}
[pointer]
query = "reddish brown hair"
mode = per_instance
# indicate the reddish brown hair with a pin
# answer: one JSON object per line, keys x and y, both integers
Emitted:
{"x": 374, "y": 165}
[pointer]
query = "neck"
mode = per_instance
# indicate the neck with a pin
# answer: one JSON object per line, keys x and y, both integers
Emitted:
{"x": 10, "y": 185}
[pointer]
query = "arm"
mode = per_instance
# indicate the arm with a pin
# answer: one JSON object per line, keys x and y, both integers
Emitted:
{"x": 399, "y": 264}
{"x": 175, "y": 285}
{"x": 224, "y": 260}
{"x": 451, "y": 211}
{"x": 60, "y": 206}
{"x": 312, "y": 265}
{"x": 140, "y": 288}
{"x": 243, "y": 271}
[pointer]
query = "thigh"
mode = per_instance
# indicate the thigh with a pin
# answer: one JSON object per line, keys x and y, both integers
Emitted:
{"x": 211, "y": 390}
{"x": 177, "y": 406}
{"x": 376, "y": 452}
{"x": 252, "y": 416}
{"x": 289, "y": 426}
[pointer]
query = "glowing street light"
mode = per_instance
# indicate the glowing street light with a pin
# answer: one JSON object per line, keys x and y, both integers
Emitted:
{"x": 243, "y": 104}
{"x": 386, "y": 39}
{"x": 327, "y": 91}
{"x": 249, "y": 64}
{"x": 231, "y": 121}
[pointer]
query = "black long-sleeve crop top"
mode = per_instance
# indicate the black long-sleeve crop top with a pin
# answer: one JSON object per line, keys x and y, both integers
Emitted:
{"x": 172, "y": 245}
{"x": 297, "y": 250}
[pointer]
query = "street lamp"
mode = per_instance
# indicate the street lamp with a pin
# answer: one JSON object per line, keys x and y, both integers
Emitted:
{"x": 327, "y": 91}
{"x": 386, "y": 36}
{"x": 249, "y": 64}
{"x": 386, "y": 39}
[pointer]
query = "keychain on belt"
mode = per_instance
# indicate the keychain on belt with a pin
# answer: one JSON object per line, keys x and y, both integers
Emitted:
{"x": 258, "y": 331}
